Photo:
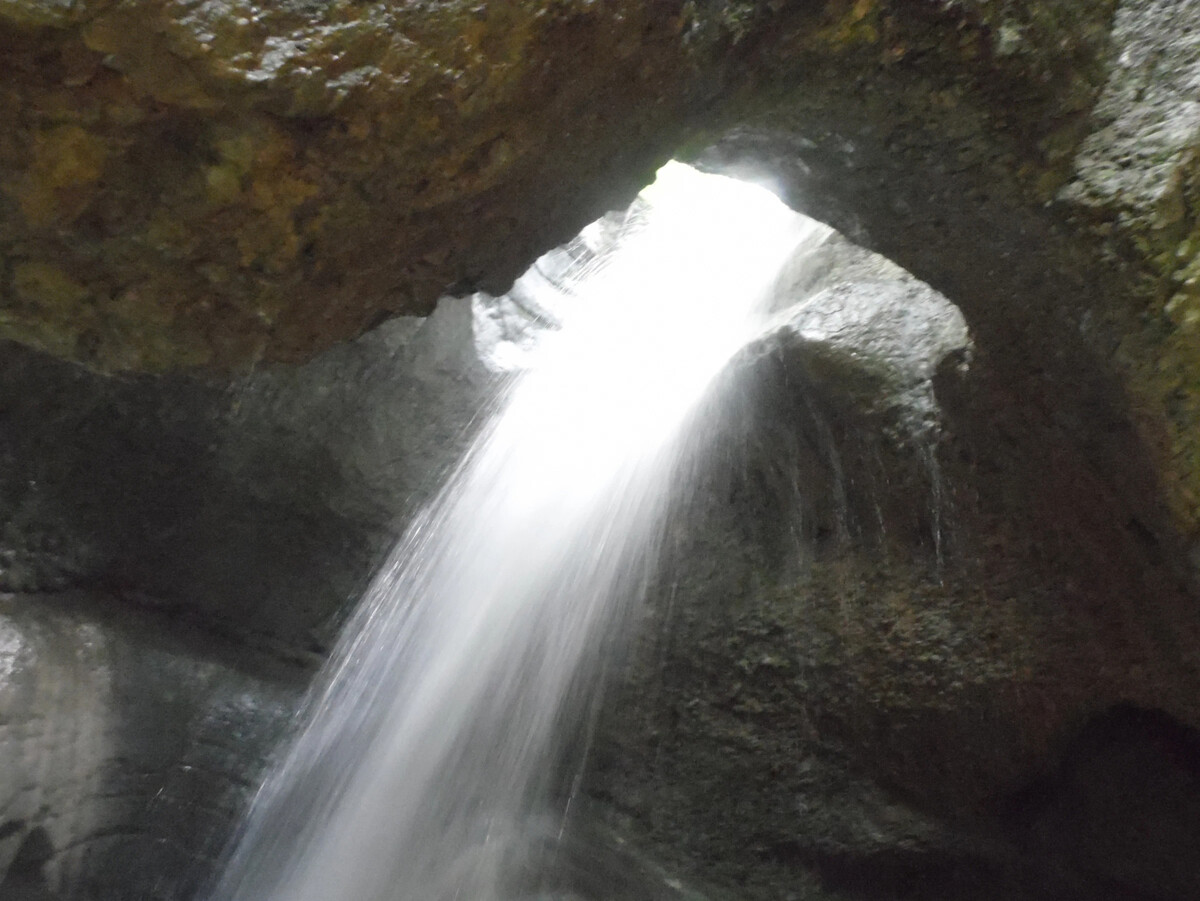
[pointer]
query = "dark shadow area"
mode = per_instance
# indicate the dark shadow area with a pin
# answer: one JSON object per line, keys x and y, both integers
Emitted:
{"x": 1045, "y": 357}
{"x": 900, "y": 874}
{"x": 1120, "y": 816}
{"x": 156, "y": 490}
{"x": 161, "y": 732}
{"x": 24, "y": 880}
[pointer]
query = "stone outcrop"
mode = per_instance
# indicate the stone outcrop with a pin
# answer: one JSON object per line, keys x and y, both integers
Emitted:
{"x": 1036, "y": 168}
{"x": 259, "y": 505}
{"x": 223, "y": 184}
{"x": 895, "y": 628}
{"x": 234, "y": 182}
{"x": 129, "y": 744}
{"x": 891, "y": 648}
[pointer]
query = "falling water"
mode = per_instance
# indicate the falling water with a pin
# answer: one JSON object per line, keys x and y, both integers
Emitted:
{"x": 430, "y": 731}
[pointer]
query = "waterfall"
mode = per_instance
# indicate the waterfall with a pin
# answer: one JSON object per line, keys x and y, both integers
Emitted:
{"x": 428, "y": 736}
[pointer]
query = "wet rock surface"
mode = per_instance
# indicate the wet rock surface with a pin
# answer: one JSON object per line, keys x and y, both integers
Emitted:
{"x": 220, "y": 186}
{"x": 242, "y": 183}
{"x": 911, "y": 653}
{"x": 129, "y": 742}
{"x": 259, "y": 505}
{"x": 1033, "y": 162}
{"x": 232, "y": 182}
{"x": 896, "y": 623}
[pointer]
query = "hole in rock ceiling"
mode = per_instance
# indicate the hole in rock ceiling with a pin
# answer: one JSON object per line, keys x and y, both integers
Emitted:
{"x": 856, "y": 314}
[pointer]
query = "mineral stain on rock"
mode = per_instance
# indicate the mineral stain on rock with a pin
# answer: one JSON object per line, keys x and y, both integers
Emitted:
{"x": 271, "y": 178}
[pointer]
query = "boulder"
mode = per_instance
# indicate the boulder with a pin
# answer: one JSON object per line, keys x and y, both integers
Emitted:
{"x": 893, "y": 642}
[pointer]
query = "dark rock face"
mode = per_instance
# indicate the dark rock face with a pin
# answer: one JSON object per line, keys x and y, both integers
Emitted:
{"x": 283, "y": 487}
{"x": 895, "y": 617}
{"x": 1034, "y": 163}
{"x": 876, "y": 639}
{"x": 1123, "y": 807}
{"x": 129, "y": 745}
{"x": 249, "y": 183}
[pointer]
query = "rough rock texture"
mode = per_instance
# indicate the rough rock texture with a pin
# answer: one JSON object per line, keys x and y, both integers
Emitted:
{"x": 1135, "y": 185}
{"x": 900, "y": 655}
{"x": 259, "y": 505}
{"x": 1033, "y": 162}
{"x": 895, "y": 631}
{"x": 129, "y": 744}
{"x": 227, "y": 182}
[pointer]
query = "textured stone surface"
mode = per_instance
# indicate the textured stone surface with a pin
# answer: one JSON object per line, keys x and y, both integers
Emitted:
{"x": 903, "y": 593}
{"x": 260, "y": 504}
{"x": 1135, "y": 185}
{"x": 874, "y": 642}
{"x": 1035, "y": 163}
{"x": 226, "y": 182}
{"x": 129, "y": 744}
{"x": 959, "y": 667}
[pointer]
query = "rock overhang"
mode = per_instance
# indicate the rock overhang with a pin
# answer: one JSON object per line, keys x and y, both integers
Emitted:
{"x": 236, "y": 183}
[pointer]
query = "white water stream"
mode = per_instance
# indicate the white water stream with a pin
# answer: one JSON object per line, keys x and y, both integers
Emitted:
{"x": 430, "y": 731}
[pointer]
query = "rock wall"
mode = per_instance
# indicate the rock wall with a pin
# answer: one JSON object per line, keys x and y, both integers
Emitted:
{"x": 225, "y": 184}
{"x": 908, "y": 638}
{"x": 246, "y": 183}
{"x": 259, "y": 505}
{"x": 896, "y": 643}
{"x": 129, "y": 742}
{"x": 1034, "y": 163}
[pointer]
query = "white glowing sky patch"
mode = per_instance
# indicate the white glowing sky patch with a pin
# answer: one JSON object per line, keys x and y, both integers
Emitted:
{"x": 647, "y": 332}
